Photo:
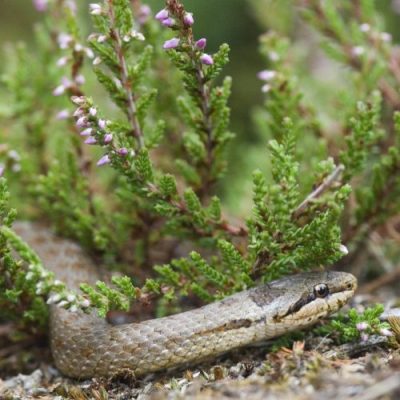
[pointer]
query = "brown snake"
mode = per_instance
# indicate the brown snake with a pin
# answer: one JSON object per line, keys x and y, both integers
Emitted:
{"x": 85, "y": 345}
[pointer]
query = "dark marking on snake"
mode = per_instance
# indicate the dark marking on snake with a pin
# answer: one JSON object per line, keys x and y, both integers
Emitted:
{"x": 264, "y": 295}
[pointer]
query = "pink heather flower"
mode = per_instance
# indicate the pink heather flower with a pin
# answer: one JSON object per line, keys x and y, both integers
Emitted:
{"x": 137, "y": 35}
{"x": 102, "y": 124}
{"x": 2, "y": 169}
{"x": 386, "y": 37}
{"x": 364, "y": 337}
{"x": 108, "y": 138}
{"x": 78, "y": 100}
{"x": 16, "y": 168}
{"x": 92, "y": 111}
{"x": 95, "y": 9}
{"x": 386, "y": 332}
{"x": 13, "y": 155}
{"x": 65, "y": 81}
{"x": 265, "y": 88}
{"x": 89, "y": 52}
{"x": 65, "y": 84}
{"x": 161, "y": 15}
{"x": 171, "y": 44}
{"x": 206, "y": 59}
{"x": 362, "y": 326}
{"x": 78, "y": 47}
{"x": 40, "y": 5}
{"x": 101, "y": 38}
{"x": 117, "y": 82}
{"x": 62, "y": 61}
{"x": 358, "y": 51}
{"x": 64, "y": 40}
{"x": 168, "y": 22}
{"x": 123, "y": 151}
{"x": 97, "y": 61}
{"x": 79, "y": 79}
{"x": 103, "y": 160}
{"x": 82, "y": 122}
{"x": 71, "y": 5}
{"x": 59, "y": 90}
{"x": 201, "y": 43}
{"x": 85, "y": 303}
{"x": 86, "y": 132}
{"x": 63, "y": 114}
{"x": 266, "y": 75}
{"x": 90, "y": 140}
{"x": 274, "y": 56}
{"x": 78, "y": 112}
{"x": 144, "y": 13}
{"x": 365, "y": 27}
{"x": 188, "y": 19}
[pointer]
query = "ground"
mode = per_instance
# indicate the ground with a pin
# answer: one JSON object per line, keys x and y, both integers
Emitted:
{"x": 311, "y": 368}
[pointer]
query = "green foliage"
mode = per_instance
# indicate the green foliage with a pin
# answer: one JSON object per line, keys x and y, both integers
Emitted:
{"x": 207, "y": 271}
{"x": 379, "y": 199}
{"x": 105, "y": 298}
{"x": 364, "y": 135}
{"x": 279, "y": 240}
{"x": 64, "y": 196}
{"x": 285, "y": 102}
{"x": 25, "y": 285}
{"x": 142, "y": 198}
{"x": 355, "y": 326}
{"x": 204, "y": 109}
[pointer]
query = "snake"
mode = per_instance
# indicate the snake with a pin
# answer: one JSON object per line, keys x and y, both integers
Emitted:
{"x": 84, "y": 345}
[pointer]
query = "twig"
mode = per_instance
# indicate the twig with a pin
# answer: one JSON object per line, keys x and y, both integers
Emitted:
{"x": 131, "y": 105}
{"x": 349, "y": 350}
{"x": 325, "y": 185}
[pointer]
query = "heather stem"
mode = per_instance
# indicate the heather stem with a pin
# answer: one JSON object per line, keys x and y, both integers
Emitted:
{"x": 131, "y": 105}
{"x": 207, "y": 123}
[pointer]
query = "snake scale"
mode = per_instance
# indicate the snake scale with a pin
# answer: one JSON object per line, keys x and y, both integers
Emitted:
{"x": 85, "y": 345}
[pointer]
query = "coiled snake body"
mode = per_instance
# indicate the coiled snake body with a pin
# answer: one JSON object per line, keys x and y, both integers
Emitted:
{"x": 84, "y": 345}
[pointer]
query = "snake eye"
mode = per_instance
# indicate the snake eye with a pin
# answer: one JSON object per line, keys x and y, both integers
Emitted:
{"x": 321, "y": 290}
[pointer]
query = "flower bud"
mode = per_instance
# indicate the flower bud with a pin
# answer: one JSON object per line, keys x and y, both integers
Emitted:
{"x": 95, "y": 9}
{"x": 171, "y": 44}
{"x": 362, "y": 326}
{"x": 123, "y": 151}
{"x": 103, "y": 160}
{"x": 188, "y": 19}
{"x": 86, "y": 132}
{"x": 90, "y": 140}
{"x": 108, "y": 138}
{"x": 168, "y": 22}
{"x": 161, "y": 15}
{"x": 206, "y": 59}
{"x": 201, "y": 43}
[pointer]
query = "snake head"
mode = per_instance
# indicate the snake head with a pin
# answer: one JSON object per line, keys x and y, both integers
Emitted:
{"x": 305, "y": 298}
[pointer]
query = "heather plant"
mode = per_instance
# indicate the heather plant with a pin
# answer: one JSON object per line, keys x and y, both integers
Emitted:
{"x": 105, "y": 152}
